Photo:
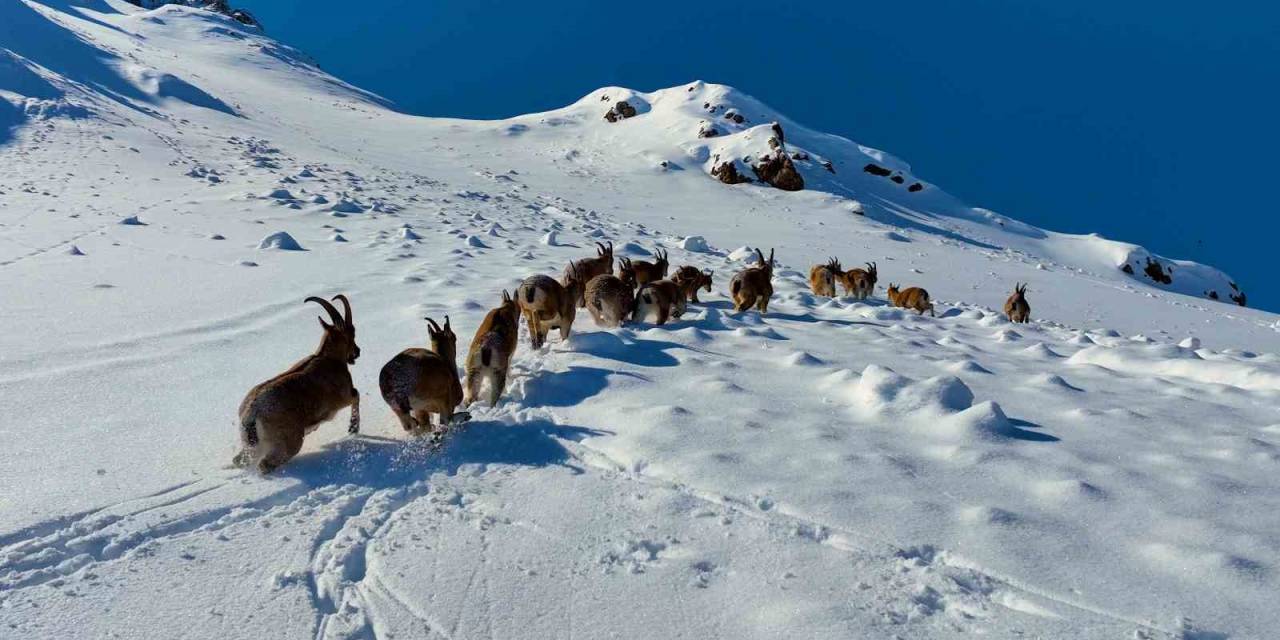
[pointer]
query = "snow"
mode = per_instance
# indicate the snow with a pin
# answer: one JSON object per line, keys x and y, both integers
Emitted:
{"x": 834, "y": 469}
{"x": 280, "y": 241}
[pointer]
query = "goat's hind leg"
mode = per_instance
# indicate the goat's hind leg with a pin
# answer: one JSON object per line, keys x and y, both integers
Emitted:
{"x": 354, "y": 427}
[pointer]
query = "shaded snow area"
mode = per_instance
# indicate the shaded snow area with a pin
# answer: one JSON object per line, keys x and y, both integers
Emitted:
{"x": 834, "y": 469}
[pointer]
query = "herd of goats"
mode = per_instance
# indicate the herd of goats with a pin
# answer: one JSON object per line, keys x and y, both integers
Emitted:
{"x": 278, "y": 413}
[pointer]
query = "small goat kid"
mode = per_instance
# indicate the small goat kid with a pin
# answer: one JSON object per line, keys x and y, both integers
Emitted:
{"x": 913, "y": 298}
{"x": 662, "y": 300}
{"x": 491, "y": 351}
{"x": 277, "y": 414}
{"x": 1016, "y": 307}
{"x": 419, "y": 382}
{"x": 547, "y": 304}
{"x": 589, "y": 268}
{"x": 753, "y": 286}
{"x": 822, "y": 278}
{"x": 690, "y": 279}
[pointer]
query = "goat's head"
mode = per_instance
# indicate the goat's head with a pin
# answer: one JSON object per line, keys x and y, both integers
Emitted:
{"x": 443, "y": 341}
{"x": 339, "y": 341}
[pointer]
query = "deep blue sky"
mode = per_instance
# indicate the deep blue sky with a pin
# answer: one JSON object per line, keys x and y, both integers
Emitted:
{"x": 1152, "y": 122}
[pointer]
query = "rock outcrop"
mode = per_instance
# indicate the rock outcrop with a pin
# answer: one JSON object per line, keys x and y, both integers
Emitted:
{"x": 727, "y": 172}
{"x": 621, "y": 110}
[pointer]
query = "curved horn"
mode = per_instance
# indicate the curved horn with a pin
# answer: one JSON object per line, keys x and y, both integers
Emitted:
{"x": 434, "y": 327}
{"x": 446, "y": 322}
{"x": 759, "y": 257}
{"x": 870, "y": 267}
{"x": 599, "y": 249}
{"x": 333, "y": 313}
{"x": 346, "y": 308}
{"x": 771, "y": 256}
{"x": 610, "y": 246}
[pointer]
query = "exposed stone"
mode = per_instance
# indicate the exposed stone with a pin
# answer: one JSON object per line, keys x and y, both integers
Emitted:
{"x": 877, "y": 170}
{"x": 826, "y": 164}
{"x": 708, "y": 131}
{"x": 1155, "y": 271}
{"x": 898, "y": 179}
{"x": 620, "y": 111}
{"x": 915, "y": 186}
{"x": 1238, "y": 297}
{"x": 780, "y": 172}
{"x": 727, "y": 173}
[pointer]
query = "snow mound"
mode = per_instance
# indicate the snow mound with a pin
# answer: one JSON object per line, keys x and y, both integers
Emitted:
{"x": 880, "y": 390}
{"x": 280, "y": 241}
{"x": 1178, "y": 362}
{"x": 695, "y": 244}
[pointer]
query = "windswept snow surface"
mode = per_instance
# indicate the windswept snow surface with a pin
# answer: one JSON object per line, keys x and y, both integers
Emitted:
{"x": 836, "y": 469}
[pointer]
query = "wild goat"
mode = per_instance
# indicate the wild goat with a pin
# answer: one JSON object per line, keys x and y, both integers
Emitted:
{"x": 861, "y": 283}
{"x": 753, "y": 286}
{"x": 419, "y": 382}
{"x": 661, "y": 299}
{"x": 277, "y": 414}
{"x": 491, "y": 351}
{"x": 548, "y": 304}
{"x": 690, "y": 279}
{"x": 822, "y": 278}
{"x": 610, "y": 299}
{"x": 1016, "y": 306}
{"x": 589, "y": 268}
{"x": 913, "y": 298}
{"x": 645, "y": 272}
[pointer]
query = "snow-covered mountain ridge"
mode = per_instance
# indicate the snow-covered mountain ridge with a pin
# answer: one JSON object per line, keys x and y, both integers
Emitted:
{"x": 174, "y": 184}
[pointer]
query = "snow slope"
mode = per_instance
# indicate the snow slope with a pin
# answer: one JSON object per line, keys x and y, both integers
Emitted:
{"x": 175, "y": 183}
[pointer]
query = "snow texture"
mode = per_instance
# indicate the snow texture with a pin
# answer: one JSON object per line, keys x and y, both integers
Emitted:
{"x": 834, "y": 469}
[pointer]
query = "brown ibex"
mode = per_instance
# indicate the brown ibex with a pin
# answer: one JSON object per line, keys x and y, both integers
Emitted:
{"x": 661, "y": 299}
{"x": 1016, "y": 307}
{"x": 491, "y": 351}
{"x": 277, "y": 414}
{"x": 690, "y": 279}
{"x": 913, "y": 298}
{"x": 860, "y": 283}
{"x": 419, "y": 382}
{"x": 547, "y": 304}
{"x": 822, "y": 278}
{"x": 753, "y": 286}
{"x": 610, "y": 299}
{"x": 645, "y": 272}
{"x": 589, "y": 268}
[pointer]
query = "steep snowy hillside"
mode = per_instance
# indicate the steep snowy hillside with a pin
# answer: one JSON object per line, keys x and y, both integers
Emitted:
{"x": 174, "y": 183}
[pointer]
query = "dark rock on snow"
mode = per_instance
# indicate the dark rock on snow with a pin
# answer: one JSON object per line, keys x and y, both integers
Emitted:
{"x": 620, "y": 111}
